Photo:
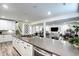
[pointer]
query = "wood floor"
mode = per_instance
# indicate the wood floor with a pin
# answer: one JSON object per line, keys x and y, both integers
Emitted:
{"x": 6, "y": 49}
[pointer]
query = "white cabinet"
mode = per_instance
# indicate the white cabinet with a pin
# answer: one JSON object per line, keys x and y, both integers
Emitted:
{"x": 28, "y": 49}
{"x": 7, "y": 25}
{"x": 24, "y": 48}
{"x": 5, "y": 38}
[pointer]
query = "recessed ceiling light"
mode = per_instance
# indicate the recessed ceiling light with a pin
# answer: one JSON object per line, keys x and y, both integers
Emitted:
{"x": 2, "y": 16}
{"x": 5, "y": 6}
{"x": 49, "y": 12}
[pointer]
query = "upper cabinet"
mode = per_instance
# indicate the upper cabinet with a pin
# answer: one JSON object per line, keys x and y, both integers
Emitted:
{"x": 7, "y": 25}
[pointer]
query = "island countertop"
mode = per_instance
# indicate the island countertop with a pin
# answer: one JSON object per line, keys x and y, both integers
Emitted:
{"x": 59, "y": 47}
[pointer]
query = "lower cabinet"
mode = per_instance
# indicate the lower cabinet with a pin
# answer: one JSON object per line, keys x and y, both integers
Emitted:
{"x": 24, "y": 48}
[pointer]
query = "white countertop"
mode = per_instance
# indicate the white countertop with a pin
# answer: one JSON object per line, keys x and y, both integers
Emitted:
{"x": 59, "y": 47}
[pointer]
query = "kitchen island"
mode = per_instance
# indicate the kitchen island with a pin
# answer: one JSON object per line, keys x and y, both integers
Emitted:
{"x": 57, "y": 47}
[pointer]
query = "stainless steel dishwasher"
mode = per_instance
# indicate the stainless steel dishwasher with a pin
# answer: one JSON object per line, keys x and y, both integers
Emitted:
{"x": 40, "y": 52}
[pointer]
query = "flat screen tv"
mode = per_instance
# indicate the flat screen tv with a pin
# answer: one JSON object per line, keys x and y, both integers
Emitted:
{"x": 55, "y": 29}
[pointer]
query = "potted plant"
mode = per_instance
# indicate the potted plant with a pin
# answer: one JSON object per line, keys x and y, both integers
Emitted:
{"x": 76, "y": 30}
{"x": 75, "y": 42}
{"x": 18, "y": 34}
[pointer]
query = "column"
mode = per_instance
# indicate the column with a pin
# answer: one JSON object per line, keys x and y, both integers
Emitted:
{"x": 44, "y": 26}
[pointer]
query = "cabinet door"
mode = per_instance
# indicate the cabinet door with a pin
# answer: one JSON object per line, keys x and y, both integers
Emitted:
{"x": 28, "y": 49}
{"x": 22, "y": 48}
{"x": 15, "y": 44}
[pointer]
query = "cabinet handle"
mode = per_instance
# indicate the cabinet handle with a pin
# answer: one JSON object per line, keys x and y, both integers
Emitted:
{"x": 25, "y": 47}
{"x": 28, "y": 45}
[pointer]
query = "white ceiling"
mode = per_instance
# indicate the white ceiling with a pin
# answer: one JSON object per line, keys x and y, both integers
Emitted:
{"x": 59, "y": 22}
{"x": 35, "y": 11}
